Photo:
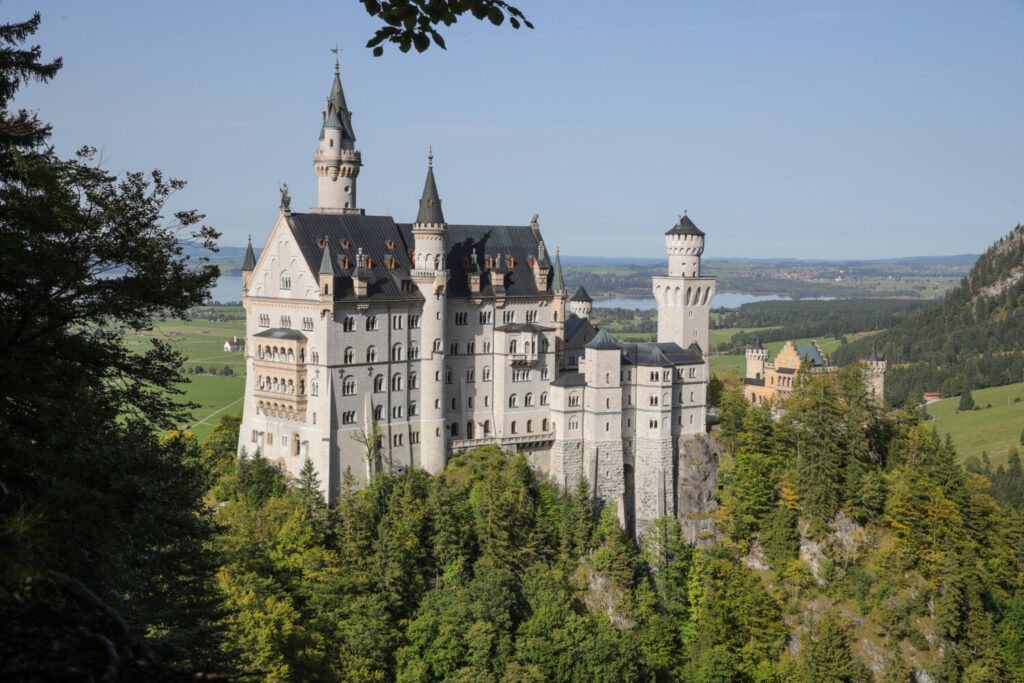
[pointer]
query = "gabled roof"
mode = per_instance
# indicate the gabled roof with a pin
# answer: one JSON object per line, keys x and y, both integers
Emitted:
{"x": 810, "y": 351}
{"x": 373, "y": 234}
{"x": 576, "y": 331}
{"x": 250, "y": 259}
{"x": 581, "y": 295}
{"x": 603, "y": 342}
{"x": 662, "y": 354}
{"x": 281, "y": 333}
{"x": 684, "y": 226}
{"x": 430, "y": 203}
{"x": 570, "y": 379}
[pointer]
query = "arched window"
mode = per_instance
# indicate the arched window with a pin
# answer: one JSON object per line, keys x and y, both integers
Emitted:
{"x": 414, "y": 351}
{"x": 455, "y": 429}
{"x": 378, "y": 384}
{"x": 574, "y": 399}
{"x": 471, "y": 375}
{"x": 315, "y": 357}
{"x": 513, "y": 401}
{"x": 396, "y": 352}
{"x": 437, "y": 346}
{"x": 296, "y": 445}
{"x": 544, "y": 425}
{"x": 487, "y": 427}
{"x": 413, "y": 410}
{"x": 291, "y": 356}
{"x": 512, "y": 427}
{"x": 544, "y": 344}
{"x": 448, "y": 376}
{"x": 396, "y": 382}
{"x": 529, "y": 426}
{"x": 574, "y": 423}
{"x": 302, "y": 355}
{"x": 350, "y": 324}
{"x": 413, "y": 379}
{"x": 348, "y": 387}
{"x": 528, "y": 401}
{"x": 371, "y": 354}
{"x": 349, "y": 355}
{"x": 371, "y": 322}
{"x": 469, "y": 429}
{"x": 544, "y": 398}
{"x": 485, "y": 374}
{"x": 378, "y": 413}
{"x": 286, "y": 281}
{"x": 512, "y": 346}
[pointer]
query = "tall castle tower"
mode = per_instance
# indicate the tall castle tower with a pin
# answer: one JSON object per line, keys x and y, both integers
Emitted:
{"x": 430, "y": 274}
{"x": 337, "y": 161}
{"x": 684, "y": 295}
{"x": 757, "y": 359}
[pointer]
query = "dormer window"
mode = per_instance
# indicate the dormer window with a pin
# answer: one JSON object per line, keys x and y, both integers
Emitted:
{"x": 391, "y": 244}
{"x": 511, "y": 262}
{"x": 344, "y": 244}
{"x": 490, "y": 261}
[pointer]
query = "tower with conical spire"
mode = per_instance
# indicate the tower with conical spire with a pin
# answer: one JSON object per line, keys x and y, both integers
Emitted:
{"x": 337, "y": 161}
{"x": 430, "y": 274}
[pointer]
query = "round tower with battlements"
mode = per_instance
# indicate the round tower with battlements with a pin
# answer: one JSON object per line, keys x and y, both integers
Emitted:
{"x": 875, "y": 375}
{"x": 581, "y": 304}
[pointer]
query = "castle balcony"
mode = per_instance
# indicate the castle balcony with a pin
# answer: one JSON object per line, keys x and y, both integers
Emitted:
{"x": 523, "y": 359}
{"x": 279, "y": 404}
{"x": 509, "y": 440}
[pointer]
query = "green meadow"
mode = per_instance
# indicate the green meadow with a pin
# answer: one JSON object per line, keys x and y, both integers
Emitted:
{"x": 202, "y": 343}
{"x": 994, "y": 427}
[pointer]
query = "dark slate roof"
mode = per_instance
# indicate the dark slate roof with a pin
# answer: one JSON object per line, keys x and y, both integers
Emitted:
{"x": 570, "y": 379}
{"x": 786, "y": 371}
{"x": 281, "y": 333}
{"x": 523, "y": 327}
{"x": 663, "y": 354}
{"x": 603, "y": 342}
{"x": 558, "y": 282}
{"x": 576, "y": 331}
{"x": 581, "y": 295}
{"x": 810, "y": 351}
{"x": 749, "y": 381}
{"x": 250, "y": 259}
{"x": 430, "y": 203}
{"x": 372, "y": 234}
{"x": 684, "y": 226}
{"x": 516, "y": 241}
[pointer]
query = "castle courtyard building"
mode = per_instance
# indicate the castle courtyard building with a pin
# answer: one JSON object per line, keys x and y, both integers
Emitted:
{"x": 372, "y": 343}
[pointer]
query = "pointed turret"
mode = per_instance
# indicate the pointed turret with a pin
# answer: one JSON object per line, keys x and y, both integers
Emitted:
{"x": 337, "y": 161}
{"x": 430, "y": 204}
{"x": 558, "y": 281}
{"x": 326, "y": 267}
{"x": 249, "y": 263}
{"x": 581, "y": 304}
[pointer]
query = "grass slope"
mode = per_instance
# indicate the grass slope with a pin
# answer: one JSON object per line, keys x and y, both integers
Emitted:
{"x": 995, "y": 429}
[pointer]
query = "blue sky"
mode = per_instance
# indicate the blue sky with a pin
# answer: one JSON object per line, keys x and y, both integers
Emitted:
{"x": 806, "y": 129}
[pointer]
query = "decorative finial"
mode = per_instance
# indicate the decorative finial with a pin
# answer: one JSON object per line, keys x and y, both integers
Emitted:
{"x": 430, "y": 157}
{"x": 336, "y": 50}
{"x": 679, "y": 219}
{"x": 684, "y": 212}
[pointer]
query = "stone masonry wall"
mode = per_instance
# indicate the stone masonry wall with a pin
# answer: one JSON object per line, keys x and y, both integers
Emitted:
{"x": 697, "y": 478}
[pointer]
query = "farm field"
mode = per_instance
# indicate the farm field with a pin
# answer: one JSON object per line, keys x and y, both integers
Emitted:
{"x": 994, "y": 430}
{"x": 202, "y": 343}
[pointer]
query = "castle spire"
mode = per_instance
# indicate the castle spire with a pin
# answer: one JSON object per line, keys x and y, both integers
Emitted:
{"x": 326, "y": 267}
{"x": 249, "y": 264}
{"x": 337, "y": 161}
{"x": 430, "y": 203}
{"x": 558, "y": 282}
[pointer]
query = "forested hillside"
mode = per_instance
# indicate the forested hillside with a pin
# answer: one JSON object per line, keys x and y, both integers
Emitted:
{"x": 851, "y": 547}
{"x": 974, "y": 338}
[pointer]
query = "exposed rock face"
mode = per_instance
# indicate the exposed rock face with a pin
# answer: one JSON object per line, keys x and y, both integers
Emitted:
{"x": 697, "y": 477}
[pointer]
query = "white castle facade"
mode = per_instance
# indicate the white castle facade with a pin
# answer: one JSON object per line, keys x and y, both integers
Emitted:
{"x": 438, "y": 338}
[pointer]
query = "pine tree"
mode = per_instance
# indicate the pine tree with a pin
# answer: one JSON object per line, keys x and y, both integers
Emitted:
{"x": 827, "y": 655}
{"x": 309, "y": 489}
{"x": 966, "y": 400}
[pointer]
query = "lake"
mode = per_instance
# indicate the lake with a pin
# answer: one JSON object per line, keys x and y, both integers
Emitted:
{"x": 229, "y": 288}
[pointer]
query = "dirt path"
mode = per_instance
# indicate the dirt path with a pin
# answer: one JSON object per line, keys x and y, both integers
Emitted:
{"x": 219, "y": 410}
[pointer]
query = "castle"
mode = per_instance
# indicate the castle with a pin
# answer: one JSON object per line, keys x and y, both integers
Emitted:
{"x": 371, "y": 342}
{"x": 765, "y": 380}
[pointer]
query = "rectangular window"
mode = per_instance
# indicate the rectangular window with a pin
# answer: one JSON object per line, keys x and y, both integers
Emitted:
{"x": 531, "y": 316}
{"x": 348, "y": 417}
{"x": 414, "y": 322}
{"x": 470, "y": 348}
{"x": 487, "y": 345}
{"x": 396, "y": 411}
{"x": 264, "y": 320}
{"x": 286, "y": 321}
{"x": 453, "y": 349}
{"x": 508, "y": 317}
{"x": 397, "y": 322}
{"x": 414, "y": 437}
{"x": 462, "y": 318}
{"x": 485, "y": 317}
